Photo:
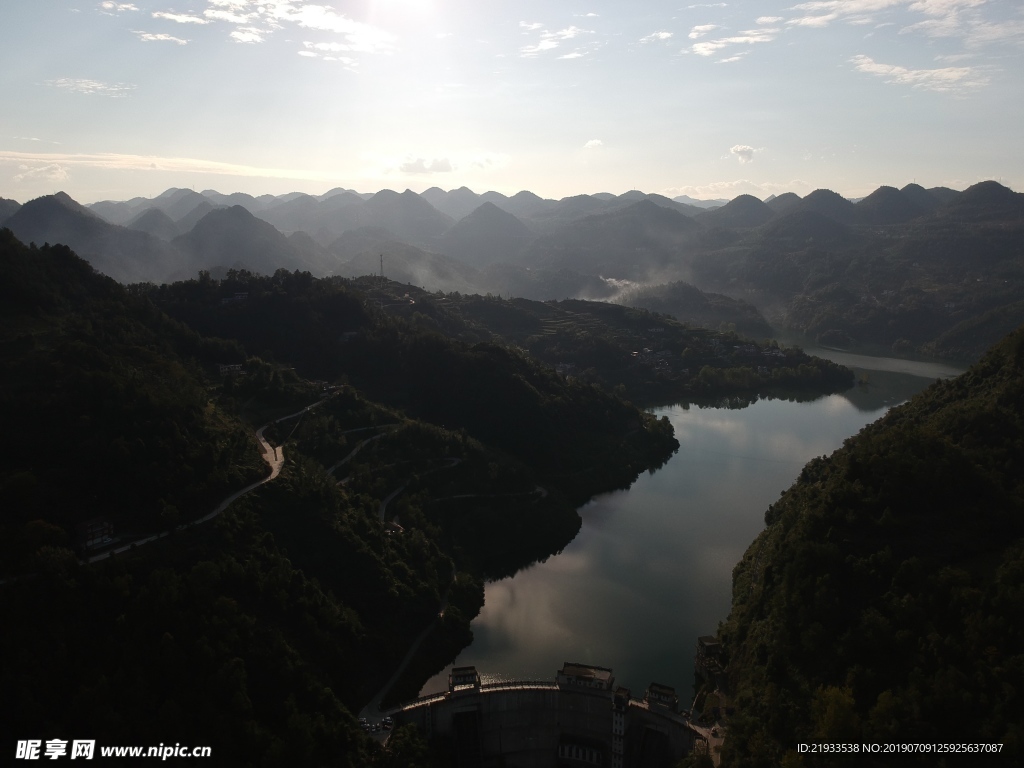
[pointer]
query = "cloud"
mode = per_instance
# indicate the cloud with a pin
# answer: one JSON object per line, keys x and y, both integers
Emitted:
{"x": 701, "y": 30}
{"x": 92, "y": 87}
{"x": 945, "y": 18}
{"x": 180, "y": 18}
{"x": 656, "y": 36}
{"x": 529, "y": 51}
{"x": 247, "y": 35}
{"x": 769, "y": 19}
{"x": 49, "y": 172}
{"x": 746, "y": 37}
{"x": 123, "y": 162}
{"x": 731, "y": 59}
{"x": 943, "y": 7}
{"x": 813, "y": 21}
{"x": 593, "y": 144}
{"x": 573, "y": 55}
{"x": 730, "y": 189}
{"x": 257, "y": 21}
{"x": 568, "y": 33}
{"x": 945, "y": 79}
{"x": 326, "y": 52}
{"x": 111, "y": 7}
{"x": 821, "y": 13}
{"x": 33, "y": 138}
{"x": 847, "y": 7}
{"x": 422, "y": 165}
{"x": 981, "y": 33}
{"x": 159, "y": 37}
{"x": 230, "y": 16}
{"x": 743, "y": 153}
{"x": 358, "y": 36}
{"x": 530, "y": 26}
{"x": 551, "y": 40}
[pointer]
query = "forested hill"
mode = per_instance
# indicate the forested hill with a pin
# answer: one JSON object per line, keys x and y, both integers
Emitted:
{"x": 261, "y": 629}
{"x": 384, "y": 335}
{"x": 104, "y": 406}
{"x": 883, "y": 602}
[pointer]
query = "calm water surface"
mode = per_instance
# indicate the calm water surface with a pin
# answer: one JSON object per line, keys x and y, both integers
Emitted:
{"x": 651, "y": 568}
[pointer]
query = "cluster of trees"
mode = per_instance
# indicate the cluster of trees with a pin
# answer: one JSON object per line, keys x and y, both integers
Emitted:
{"x": 442, "y": 370}
{"x": 261, "y": 632}
{"x": 882, "y": 602}
{"x": 646, "y": 356}
{"x": 106, "y": 407}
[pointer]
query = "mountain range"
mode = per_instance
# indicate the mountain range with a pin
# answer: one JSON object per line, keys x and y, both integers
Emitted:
{"x": 931, "y": 271}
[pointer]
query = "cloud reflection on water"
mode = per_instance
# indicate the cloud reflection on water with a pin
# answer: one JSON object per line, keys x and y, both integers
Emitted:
{"x": 652, "y": 567}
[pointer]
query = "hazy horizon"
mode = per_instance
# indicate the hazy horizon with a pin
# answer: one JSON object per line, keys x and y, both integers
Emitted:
{"x": 113, "y": 100}
{"x": 317, "y": 193}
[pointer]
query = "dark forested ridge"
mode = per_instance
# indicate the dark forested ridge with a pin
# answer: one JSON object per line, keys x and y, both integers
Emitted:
{"x": 883, "y": 602}
{"x": 327, "y": 325}
{"x": 260, "y": 631}
{"x": 103, "y": 399}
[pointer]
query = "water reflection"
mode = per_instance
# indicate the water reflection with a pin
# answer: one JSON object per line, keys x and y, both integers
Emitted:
{"x": 651, "y": 568}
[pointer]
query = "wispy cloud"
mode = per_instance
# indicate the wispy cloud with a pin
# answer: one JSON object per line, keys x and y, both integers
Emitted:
{"x": 92, "y": 87}
{"x": 256, "y": 22}
{"x": 423, "y": 165}
{"x": 945, "y": 79}
{"x": 550, "y": 40}
{"x": 593, "y": 144}
{"x": 529, "y": 51}
{"x": 111, "y": 7}
{"x": 530, "y": 26}
{"x": 180, "y": 18}
{"x": 821, "y": 13}
{"x": 944, "y": 18}
{"x": 229, "y": 15}
{"x": 327, "y": 52}
{"x": 123, "y": 162}
{"x": 813, "y": 21}
{"x": 701, "y": 30}
{"x": 656, "y": 36}
{"x": 247, "y": 35}
{"x": 151, "y": 37}
{"x": 982, "y": 33}
{"x": 769, "y": 19}
{"x": 746, "y": 37}
{"x": 730, "y": 189}
{"x": 357, "y": 35}
{"x": 33, "y": 138}
{"x": 49, "y": 172}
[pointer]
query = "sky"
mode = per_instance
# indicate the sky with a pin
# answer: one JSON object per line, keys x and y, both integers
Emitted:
{"x": 112, "y": 100}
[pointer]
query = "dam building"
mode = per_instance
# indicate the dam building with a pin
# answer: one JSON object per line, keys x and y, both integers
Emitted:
{"x": 580, "y": 719}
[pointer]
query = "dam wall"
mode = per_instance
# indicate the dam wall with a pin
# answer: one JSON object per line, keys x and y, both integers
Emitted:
{"x": 580, "y": 720}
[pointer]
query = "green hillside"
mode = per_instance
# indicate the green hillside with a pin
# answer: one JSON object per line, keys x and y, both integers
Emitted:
{"x": 883, "y": 601}
{"x": 260, "y": 631}
{"x": 106, "y": 405}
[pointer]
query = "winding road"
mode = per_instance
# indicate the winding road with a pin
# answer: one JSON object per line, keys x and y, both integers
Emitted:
{"x": 274, "y": 458}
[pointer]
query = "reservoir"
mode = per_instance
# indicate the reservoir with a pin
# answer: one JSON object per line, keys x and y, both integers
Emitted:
{"x": 651, "y": 568}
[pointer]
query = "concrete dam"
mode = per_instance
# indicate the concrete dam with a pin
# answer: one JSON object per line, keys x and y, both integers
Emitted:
{"x": 580, "y": 718}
